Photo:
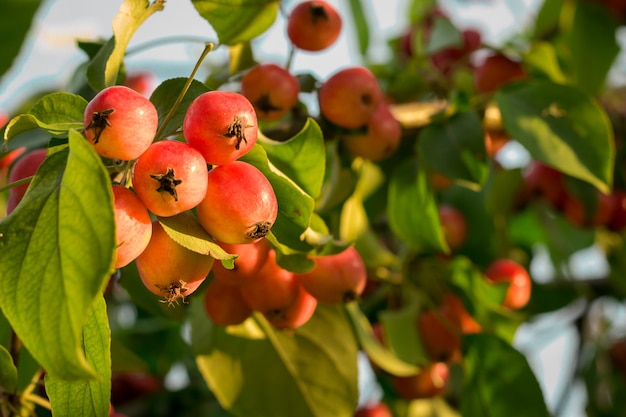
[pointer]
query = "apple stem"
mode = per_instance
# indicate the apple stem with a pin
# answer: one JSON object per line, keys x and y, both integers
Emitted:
{"x": 208, "y": 48}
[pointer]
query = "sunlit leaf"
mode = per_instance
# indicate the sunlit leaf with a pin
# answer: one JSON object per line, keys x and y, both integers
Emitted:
{"x": 361, "y": 25}
{"x": 256, "y": 370}
{"x": 103, "y": 70}
{"x": 238, "y": 21}
{"x": 542, "y": 59}
{"x": 56, "y": 252}
{"x": 87, "y": 398}
{"x": 185, "y": 230}
{"x": 561, "y": 126}
{"x": 8, "y": 371}
{"x": 56, "y": 113}
{"x": 15, "y": 21}
{"x": 495, "y": 378}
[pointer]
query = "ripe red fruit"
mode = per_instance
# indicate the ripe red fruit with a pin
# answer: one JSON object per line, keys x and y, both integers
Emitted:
{"x": 120, "y": 123}
{"x": 617, "y": 355}
{"x": 24, "y": 167}
{"x": 170, "y": 270}
{"x": 273, "y": 291}
{"x": 133, "y": 226}
{"x": 336, "y": 279}
{"x": 543, "y": 181}
{"x": 382, "y": 138}
{"x": 575, "y": 211}
{"x": 224, "y": 303}
{"x": 313, "y": 25}
{"x": 240, "y": 205}
{"x": 430, "y": 382}
{"x": 617, "y": 222}
{"x": 271, "y": 89}
{"x": 170, "y": 177}
{"x": 129, "y": 386}
{"x": 454, "y": 226}
{"x": 221, "y": 125}
{"x": 7, "y": 160}
{"x": 349, "y": 97}
{"x": 251, "y": 258}
{"x": 142, "y": 82}
{"x": 441, "y": 328}
{"x": 447, "y": 59}
{"x": 520, "y": 284}
{"x": 495, "y": 71}
{"x": 374, "y": 410}
{"x": 297, "y": 314}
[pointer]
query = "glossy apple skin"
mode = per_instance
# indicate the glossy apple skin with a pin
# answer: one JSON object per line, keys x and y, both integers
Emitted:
{"x": 454, "y": 226}
{"x": 239, "y": 206}
{"x": 273, "y": 290}
{"x": 24, "y": 167}
{"x": 349, "y": 97}
{"x": 296, "y": 314}
{"x": 224, "y": 303}
{"x": 430, "y": 382}
{"x": 272, "y": 90}
{"x": 336, "y": 279}
{"x": 374, "y": 410}
{"x": 382, "y": 138}
{"x": 133, "y": 226}
{"x": 520, "y": 285}
{"x": 170, "y": 270}
{"x": 441, "y": 328}
{"x": 188, "y": 169}
{"x": 129, "y": 126}
{"x": 250, "y": 259}
{"x": 221, "y": 125}
{"x": 495, "y": 71}
{"x": 313, "y": 25}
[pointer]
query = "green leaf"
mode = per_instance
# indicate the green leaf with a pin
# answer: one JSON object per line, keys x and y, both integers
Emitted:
{"x": 256, "y": 370}
{"x": 381, "y": 355}
{"x": 103, "y": 70}
{"x": 593, "y": 29}
{"x": 547, "y": 20}
{"x": 185, "y": 230}
{"x": 55, "y": 113}
{"x": 295, "y": 206}
{"x": 302, "y": 158}
{"x": 237, "y": 21}
{"x": 542, "y": 58}
{"x": 240, "y": 58}
{"x": 15, "y": 21}
{"x": 456, "y": 148}
{"x": 56, "y": 252}
{"x": 166, "y": 94}
{"x": 412, "y": 209}
{"x": 401, "y": 334}
{"x": 561, "y": 126}
{"x": 8, "y": 371}
{"x": 87, "y": 398}
{"x": 361, "y": 25}
{"x": 495, "y": 378}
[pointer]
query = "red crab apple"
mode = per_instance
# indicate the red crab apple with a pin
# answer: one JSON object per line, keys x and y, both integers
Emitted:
{"x": 495, "y": 71}
{"x": 449, "y": 58}
{"x": 313, "y": 25}
{"x": 7, "y": 160}
{"x": 543, "y": 181}
{"x": 170, "y": 177}
{"x": 454, "y": 226}
{"x": 296, "y": 314}
{"x": 576, "y": 212}
{"x": 221, "y": 125}
{"x": 133, "y": 226}
{"x": 349, "y": 97}
{"x": 142, "y": 82}
{"x": 430, "y": 382}
{"x": 224, "y": 303}
{"x": 520, "y": 285}
{"x": 239, "y": 206}
{"x": 617, "y": 222}
{"x": 273, "y": 291}
{"x": 24, "y": 167}
{"x": 120, "y": 123}
{"x": 170, "y": 270}
{"x": 374, "y": 410}
{"x": 441, "y": 328}
{"x": 382, "y": 138}
{"x": 271, "y": 89}
{"x": 336, "y": 279}
{"x": 250, "y": 259}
